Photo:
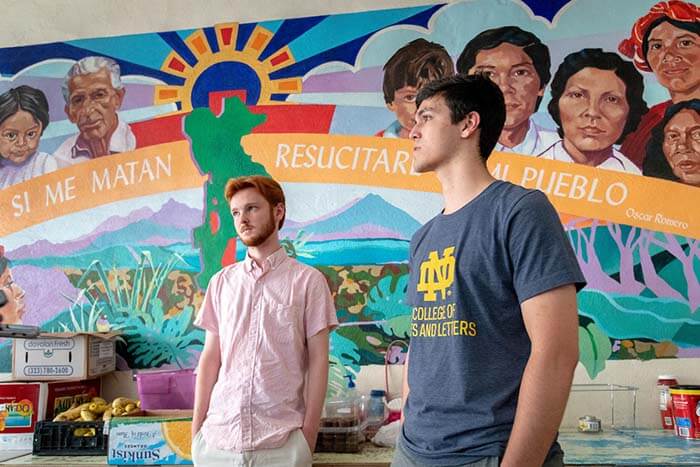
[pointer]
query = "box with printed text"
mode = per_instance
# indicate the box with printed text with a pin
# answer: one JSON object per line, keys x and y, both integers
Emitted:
{"x": 63, "y": 356}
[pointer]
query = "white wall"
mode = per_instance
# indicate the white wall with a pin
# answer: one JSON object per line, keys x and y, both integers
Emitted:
{"x": 37, "y": 21}
{"x": 625, "y": 373}
{"x": 25, "y": 22}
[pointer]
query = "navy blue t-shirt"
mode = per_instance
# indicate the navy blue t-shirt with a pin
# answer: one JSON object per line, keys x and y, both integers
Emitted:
{"x": 469, "y": 273}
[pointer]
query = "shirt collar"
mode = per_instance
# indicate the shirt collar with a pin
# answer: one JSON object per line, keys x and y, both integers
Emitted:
{"x": 273, "y": 261}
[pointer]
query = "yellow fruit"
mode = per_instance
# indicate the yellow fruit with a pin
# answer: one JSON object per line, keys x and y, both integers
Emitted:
{"x": 178, "y": 435}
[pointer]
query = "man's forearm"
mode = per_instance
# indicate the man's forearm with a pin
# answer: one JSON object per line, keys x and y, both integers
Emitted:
{"x": 543, "y": 395}
{"x": 316, "y": 387}
{"x": 207, "y": 376}
{"x": 404, "y": 386}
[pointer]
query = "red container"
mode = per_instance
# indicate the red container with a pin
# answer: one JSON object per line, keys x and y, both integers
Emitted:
{"x": 686, "y": 411}
{"x": 663, "y": 384}
{"x": 166, "y": 389}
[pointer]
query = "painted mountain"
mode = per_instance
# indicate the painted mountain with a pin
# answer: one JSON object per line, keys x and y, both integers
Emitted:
{"x": 369, "y": 217}
{"x": 119, "y": 240}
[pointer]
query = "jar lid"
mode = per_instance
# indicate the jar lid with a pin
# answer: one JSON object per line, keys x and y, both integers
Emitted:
{"x": 377, "y": 393}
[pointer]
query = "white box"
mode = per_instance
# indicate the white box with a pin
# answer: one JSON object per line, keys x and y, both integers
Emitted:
{"x": 63, "y": 356}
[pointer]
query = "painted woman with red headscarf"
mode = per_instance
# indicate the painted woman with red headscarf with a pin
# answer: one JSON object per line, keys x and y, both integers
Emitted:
{"x": 665, "y": 41}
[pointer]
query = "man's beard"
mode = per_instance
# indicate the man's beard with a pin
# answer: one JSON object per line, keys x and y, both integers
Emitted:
{"x": 267, "y": 230}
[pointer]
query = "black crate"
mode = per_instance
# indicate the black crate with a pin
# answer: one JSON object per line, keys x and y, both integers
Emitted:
{"x": 62, "y": 439}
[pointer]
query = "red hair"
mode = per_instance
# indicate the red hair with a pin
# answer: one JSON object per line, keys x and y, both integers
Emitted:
{"x": 266, "y": 186}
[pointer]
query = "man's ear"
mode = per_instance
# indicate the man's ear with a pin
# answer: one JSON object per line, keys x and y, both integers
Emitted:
{"x": 470, "y": 124}
{"x": 120, "y": 97}
{"x": 70, "y": 117}
{"x": 391, "y": 106}
{"x": 279, "y": 212}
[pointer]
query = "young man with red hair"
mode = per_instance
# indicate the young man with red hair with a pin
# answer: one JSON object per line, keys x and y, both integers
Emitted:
{"x": 262, "y": 375}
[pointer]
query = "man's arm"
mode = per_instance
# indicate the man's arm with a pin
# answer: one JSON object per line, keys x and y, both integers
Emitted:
{"x": 316, "y": 385}
{"x": 404, "y": 386}
{"x": 551, "y": 321}
{"x": 207, "y": 374}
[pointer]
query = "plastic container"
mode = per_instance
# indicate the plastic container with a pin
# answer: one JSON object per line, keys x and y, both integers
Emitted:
{"x": 339, "y": 434}
{"x": 663, "y": 383}
{"x": 685, "y": 402}
{"x": 376, "y": 412}
{"x": 166, "y": 389}
{"x": 70, "y": 439}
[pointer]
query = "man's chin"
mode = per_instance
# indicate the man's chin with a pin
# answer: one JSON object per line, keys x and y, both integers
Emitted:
{"x": 93, "y": 133}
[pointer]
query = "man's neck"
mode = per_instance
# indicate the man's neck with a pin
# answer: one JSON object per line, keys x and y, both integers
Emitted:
{"x": 590, "y": 158}
{"x": 462, "y": 181}
{"x": 98, "y": 147}
{"x": 512, "y": 136}
{"x": 689, "y": 94}
{"x": 261, "y": 252}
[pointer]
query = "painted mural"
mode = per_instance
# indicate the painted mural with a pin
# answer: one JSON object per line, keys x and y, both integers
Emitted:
{"x": 114, "y": 153}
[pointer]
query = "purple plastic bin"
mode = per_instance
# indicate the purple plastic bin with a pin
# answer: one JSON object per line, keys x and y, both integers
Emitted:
{"x": 166, "y": 389}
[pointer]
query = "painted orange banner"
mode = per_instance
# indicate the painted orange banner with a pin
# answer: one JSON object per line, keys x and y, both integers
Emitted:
{"x": 578, "y": 190}
{"x": 155, "y": 169}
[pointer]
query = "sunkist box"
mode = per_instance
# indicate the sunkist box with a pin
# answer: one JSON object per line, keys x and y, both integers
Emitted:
{"x": 157, "y": 437}
{"x": 23, "y": 404}
{"x": 65, "y": 355}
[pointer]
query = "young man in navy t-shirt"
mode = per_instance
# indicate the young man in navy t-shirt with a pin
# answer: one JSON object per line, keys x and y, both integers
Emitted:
{"x": 493, "y": 282}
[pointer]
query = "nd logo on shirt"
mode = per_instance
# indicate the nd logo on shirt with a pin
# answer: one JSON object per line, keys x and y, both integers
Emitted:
{"x": 437, "y": 274}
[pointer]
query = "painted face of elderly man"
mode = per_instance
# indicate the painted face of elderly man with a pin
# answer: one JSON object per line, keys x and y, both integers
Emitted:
{"x": 94, "y": 92}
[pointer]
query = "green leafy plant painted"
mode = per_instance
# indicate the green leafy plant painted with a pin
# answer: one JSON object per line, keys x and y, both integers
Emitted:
{"x": 296, "y": 247}
{"x": 131, "y": 305}
{"x": 594, "y": 348}
{"x": 386, "y": 303}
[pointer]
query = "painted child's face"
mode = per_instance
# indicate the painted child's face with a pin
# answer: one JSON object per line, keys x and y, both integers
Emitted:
{"x": 19, "y": 137}
{"x": 404, "y": 106}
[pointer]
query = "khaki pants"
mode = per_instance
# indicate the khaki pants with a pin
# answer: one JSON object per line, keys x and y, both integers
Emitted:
{"x": 294, "y": 453}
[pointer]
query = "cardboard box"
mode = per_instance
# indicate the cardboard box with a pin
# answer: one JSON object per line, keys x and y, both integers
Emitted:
{"x": 21, "y": 406}
{"x": 63, "y": 356}
{"x": 62, "y": 394}
{"x": 157, "y": 437}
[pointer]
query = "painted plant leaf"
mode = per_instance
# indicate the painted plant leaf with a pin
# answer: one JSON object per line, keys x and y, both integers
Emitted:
{"x": 594, "y": 349}
{"x": 630, "y": 317}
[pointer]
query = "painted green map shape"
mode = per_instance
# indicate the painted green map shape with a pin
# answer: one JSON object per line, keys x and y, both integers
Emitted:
{"x": 216, "y": 145}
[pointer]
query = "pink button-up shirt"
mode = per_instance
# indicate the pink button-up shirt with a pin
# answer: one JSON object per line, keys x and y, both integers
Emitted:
{"x": 263, "y": 316}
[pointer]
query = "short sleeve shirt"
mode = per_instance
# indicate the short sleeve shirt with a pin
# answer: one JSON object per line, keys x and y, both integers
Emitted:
{"x": 469, "y": 273}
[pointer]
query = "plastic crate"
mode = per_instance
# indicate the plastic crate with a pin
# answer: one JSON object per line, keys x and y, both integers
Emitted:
{"x": 166, "y": 389}
{"x": 64, "y": 439}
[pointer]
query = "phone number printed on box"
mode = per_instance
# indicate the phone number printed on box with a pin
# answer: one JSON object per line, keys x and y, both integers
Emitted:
{"x": 48, "y": 370}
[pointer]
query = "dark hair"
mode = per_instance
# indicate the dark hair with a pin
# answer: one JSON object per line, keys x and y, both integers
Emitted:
{"x": 596, "y": 58}
{"x": 492, "y": 38}
{"x": 25, "y": 98}
{"x": 415, "y": 64}
{"x": 475, "y": 93}
{"x": 691, "y": 26}
{"x": 655, "y": 162}
{"x": 266, "y": 186}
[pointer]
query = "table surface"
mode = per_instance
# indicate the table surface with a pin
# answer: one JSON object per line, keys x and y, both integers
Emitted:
{"x": 643, "y": 448}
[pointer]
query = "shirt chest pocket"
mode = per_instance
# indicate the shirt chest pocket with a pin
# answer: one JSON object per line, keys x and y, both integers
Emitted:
{"x": 283, "y": 323}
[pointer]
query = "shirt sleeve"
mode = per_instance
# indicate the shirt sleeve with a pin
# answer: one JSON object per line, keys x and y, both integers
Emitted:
{"x": 539, "y": 249}
{"x": 319, "y": 310}
{"x": 208, "y": 316}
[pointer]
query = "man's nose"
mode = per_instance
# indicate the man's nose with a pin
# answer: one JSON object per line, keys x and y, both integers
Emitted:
{"x": 415, "y": 132}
